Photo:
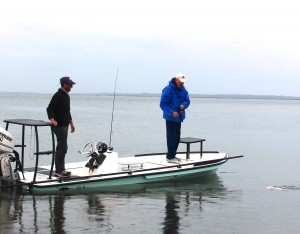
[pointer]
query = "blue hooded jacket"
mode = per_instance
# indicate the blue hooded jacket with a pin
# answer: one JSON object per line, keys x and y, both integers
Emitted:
{"x": 171, "y": 98}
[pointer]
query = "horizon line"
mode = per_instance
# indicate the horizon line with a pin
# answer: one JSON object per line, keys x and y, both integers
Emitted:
{"x": 229, "y": 96}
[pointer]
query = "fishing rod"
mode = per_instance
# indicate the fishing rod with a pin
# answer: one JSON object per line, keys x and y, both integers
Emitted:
{"x": 113, "y": 109}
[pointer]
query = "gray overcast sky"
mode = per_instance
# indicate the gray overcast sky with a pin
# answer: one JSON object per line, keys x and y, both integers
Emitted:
{"x": 223, "y": 47}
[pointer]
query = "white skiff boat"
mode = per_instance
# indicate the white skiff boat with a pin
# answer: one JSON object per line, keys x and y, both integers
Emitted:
{"x": 103, "y": 168}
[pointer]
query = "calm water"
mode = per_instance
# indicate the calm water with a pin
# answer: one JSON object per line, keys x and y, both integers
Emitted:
{"x": 235, "y": 200}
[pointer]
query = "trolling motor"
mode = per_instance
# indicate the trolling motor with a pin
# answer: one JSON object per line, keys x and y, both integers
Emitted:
{"x": 96, "y": 152}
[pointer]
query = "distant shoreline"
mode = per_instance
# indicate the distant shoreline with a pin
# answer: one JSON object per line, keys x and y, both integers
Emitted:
{"x": 221, "y": 96}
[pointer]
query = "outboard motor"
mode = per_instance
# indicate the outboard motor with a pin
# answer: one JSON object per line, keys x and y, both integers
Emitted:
{"x": 7, "y": 144}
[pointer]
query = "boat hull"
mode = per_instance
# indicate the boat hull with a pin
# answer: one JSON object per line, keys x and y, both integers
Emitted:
{"x": 104, "y": 183}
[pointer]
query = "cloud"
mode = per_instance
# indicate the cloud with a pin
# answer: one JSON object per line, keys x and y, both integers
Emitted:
{"x": 223, "y": 46}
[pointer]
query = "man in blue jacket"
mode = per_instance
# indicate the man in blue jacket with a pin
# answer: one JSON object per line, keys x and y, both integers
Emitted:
{"x": 174, "y": 100}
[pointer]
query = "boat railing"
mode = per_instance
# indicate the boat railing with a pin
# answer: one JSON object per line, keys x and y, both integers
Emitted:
{"x": 181, "y": 152}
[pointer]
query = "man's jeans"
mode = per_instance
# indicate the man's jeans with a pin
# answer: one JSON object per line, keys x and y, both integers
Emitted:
{"x": 173, "y": 137}
{"x": 61, "y": 148}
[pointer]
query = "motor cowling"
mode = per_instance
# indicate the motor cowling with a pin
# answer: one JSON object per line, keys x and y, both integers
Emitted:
{"x": 7, "y": 141}
{"x": 6, "y": 172}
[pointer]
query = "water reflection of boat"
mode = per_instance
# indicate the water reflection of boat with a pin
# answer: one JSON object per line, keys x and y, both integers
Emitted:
{"x": 30, "y": 213}
{"x": 205, "y": 183}
{"x": 104, "y": 170}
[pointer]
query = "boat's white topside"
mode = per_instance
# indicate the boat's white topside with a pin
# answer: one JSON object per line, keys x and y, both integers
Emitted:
{"x": 114, "y": 164}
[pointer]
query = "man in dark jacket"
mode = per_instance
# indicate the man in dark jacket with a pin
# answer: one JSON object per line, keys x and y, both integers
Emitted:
{"x": 174, "y": 100}
{"x": 60, "y": 117}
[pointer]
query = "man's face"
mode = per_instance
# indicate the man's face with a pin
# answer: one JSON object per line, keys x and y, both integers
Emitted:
{"x": 179, "y": 84}
{"x": 67, "y": 87}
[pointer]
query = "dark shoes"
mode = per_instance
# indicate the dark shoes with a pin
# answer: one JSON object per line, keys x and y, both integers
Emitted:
{"x": 63, "y": 174}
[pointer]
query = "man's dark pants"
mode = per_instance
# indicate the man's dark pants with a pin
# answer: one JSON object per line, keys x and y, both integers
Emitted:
{"x": 61, "y": 134}
{"x": 173, "y": 137}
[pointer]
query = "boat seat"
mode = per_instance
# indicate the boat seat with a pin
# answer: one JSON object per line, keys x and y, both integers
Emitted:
{"x": 190, "y": 140}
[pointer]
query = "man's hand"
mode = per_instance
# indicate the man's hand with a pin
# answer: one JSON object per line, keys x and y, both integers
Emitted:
{"x": 175, "y": 114}
{"x": 72, "y": 126}
{"x": 53, "y": 122}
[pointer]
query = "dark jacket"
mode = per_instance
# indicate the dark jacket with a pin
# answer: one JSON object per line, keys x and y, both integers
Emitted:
{"x": 59, "y": 108}
{"x": 171, "y": 98}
